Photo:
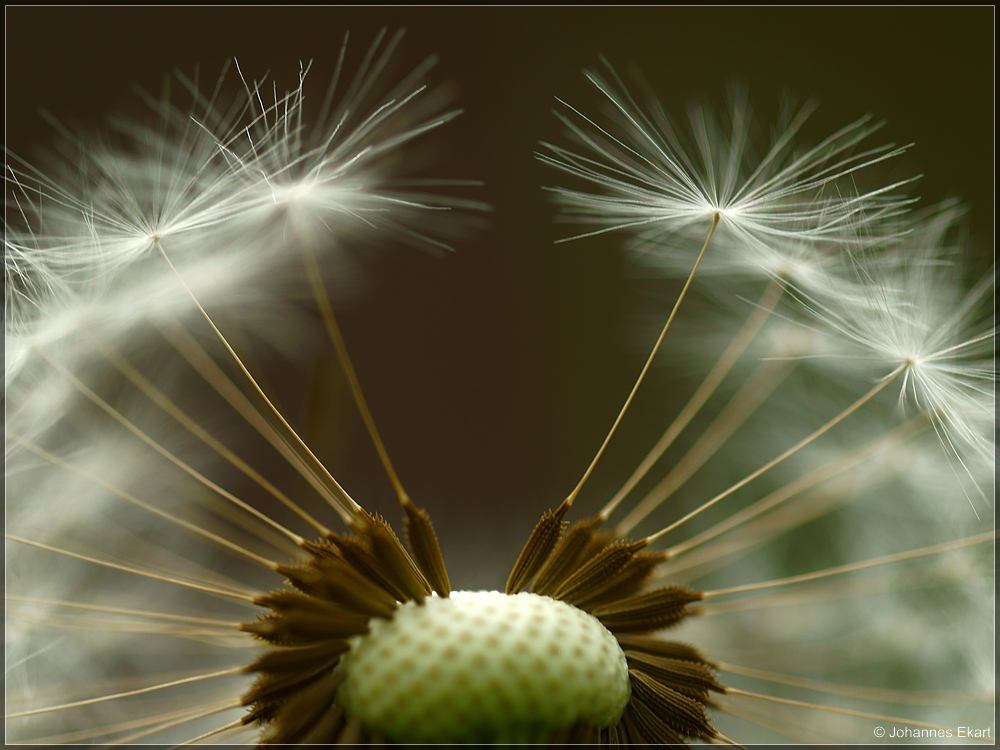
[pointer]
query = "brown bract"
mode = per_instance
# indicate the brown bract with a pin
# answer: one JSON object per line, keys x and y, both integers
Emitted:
{"x": 350, "y": 579}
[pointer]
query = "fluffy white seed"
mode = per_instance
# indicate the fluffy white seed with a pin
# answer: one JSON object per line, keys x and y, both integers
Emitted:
{"x": 483, "y": 665}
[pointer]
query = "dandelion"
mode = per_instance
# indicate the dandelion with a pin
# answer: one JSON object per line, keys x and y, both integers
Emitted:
{"x": 248, "y": 181}
{"x": 169, "y": 581}
{"x": 650, "y": 178}
{"x": 917, "y": 317}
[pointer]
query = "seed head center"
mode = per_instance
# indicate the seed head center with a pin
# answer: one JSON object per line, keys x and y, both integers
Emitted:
{"x": 484, "y": 666}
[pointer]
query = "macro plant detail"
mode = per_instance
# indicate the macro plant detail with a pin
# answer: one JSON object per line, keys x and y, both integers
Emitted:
{"x": 144, "y": 281}
{"x": 475, "y": 689}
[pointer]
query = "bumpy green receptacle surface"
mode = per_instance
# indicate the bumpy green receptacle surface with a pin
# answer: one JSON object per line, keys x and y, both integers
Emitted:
{"x": 484, "y": 666}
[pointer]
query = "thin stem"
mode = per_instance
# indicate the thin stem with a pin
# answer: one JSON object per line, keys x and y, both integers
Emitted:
{"x": 128, "y": 497}
{"x": 754, "y": 392}
{"x": 856, "y": 691}
{"x": 708, "y": 386}
{"x": 196, "y": 475}
{"x": 105, "y": 731}
{"x": 140, "y": 691}
{"x": 237, "y": 336}
{"x": 805, "y": 482}
{"x": 219, "y": 708}
{"x": 210, "y": 733}
{"x": 791, "y": 451}
{"x": 825, "y": 590}
{"x": 726, "y": 551}
{"x": 828, "y": 590}
{"x": 91, "y": 624}
{"x": 792, "y": 731}
{"x": 124, "y": 611}
{"x": 721, "y": 738}
{"x": 835, "y": 710}
{"x": 158, "y": 397}
{"x": 196, "y": 586}
{"x": 337, "y": 339}
{"x": 649, "y": 361}
{"x": 204, "y": 365}
{"x": 345, "y": 504}
{"x": 887, "y": 559}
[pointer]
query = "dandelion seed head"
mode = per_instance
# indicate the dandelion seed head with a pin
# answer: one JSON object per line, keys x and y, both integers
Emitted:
{"x": 654, "y": 178}
{"x": 917, "y": 316}
{"x": 230, "y": 193}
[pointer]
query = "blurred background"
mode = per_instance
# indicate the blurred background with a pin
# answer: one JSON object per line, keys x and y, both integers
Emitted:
{"x": 495, "y": 372}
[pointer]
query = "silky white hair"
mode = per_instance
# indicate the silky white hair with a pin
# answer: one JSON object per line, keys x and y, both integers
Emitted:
{"x": 842, "y": 350}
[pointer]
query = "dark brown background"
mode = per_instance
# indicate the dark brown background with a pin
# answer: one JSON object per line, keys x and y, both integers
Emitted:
{"x": 494, "y": 373}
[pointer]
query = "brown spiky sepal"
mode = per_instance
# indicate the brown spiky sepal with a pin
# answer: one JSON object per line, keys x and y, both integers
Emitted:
{"x": 691, "y": 678}
{"x": 596, "y": 572}
{"x": 650, "y": 728}
{"x": 375, "y": 549}
{"x": 571, "y": 549}
{"x": 335, "y": 580}
{"x": 684, "y": 715}
{"x": 539, "y": 546}
{"x": 658, "y": 647}
{"x": 628, "y": 581}
{"x": 330, "y": 598}
{"x": 652, "y": 610}
{"x": 426, "y": 551}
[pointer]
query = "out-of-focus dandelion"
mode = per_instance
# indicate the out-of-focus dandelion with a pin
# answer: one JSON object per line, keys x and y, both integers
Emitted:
{"x": 916, "y": 315}
{"x": 140, "y": 287}
{"x": 227, "y": 192}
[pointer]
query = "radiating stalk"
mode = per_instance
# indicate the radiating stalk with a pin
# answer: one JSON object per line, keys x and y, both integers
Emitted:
{"x": 337, "y": 339}
{"x": 251, "y": 598}
{"x": 791, "y": 451}
{"x": 128, "y": 693}
{"x": 158, "y": 397}
{"x": 751, "y": 395}
{"x": 649, "y": 361}
{"x": 341, "y": 501}
{"x": 708, "y": 386}
{"x": 851, "y": 567}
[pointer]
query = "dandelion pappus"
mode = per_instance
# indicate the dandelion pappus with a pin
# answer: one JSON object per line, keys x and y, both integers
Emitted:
{"x": 345, "y": 583}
